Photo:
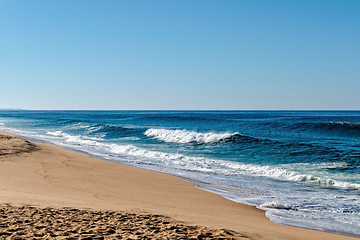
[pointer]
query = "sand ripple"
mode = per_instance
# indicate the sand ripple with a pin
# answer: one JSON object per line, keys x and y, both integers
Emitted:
{"x": 67, "y": 223}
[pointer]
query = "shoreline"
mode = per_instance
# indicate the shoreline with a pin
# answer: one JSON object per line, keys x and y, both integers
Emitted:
{"x": 53, "y": 176}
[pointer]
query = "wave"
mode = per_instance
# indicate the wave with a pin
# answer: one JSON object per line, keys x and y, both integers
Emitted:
{"x": 179, "y": 118}
{"x": 345, "y": 128}
{"x": 207, "y": 165}
{"x": 202, "y": 164}
{"x": 277, "y": 205}
{"x": 75, "y": 139}
{"x": 100, "y": 129}
{"x": 69, "y": 121}
{"x": 281, "y": 173}
{"x": 185, "y": 136}
{"x": 114, "y": 131}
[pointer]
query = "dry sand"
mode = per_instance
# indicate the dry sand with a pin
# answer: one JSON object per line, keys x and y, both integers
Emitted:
{"x": 124, "y": 199}
{"x": 31, "y": 222}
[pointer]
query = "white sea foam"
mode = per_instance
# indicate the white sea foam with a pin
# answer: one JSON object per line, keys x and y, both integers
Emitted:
{"x": 77, "y": 140}
{"x": 185, "y": 136}
{"x": 205, "y": 165}
{"x": 278, "y": 205}
{"x": 91, "y": 129}
{"x": 55, "y": 133}
{"x": 287, "y": 206}
{"x": 228, "y": 168}
{"x": 344, "y": 123}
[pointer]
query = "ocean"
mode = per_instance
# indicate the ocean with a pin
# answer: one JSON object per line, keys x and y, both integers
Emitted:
{"x": 301, "y": 167}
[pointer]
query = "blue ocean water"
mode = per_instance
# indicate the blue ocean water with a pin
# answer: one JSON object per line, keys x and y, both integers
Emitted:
{"x": 301, "y": 167}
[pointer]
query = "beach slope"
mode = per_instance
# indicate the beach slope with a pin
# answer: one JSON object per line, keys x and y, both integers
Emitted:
{"x": 50, "y": 177}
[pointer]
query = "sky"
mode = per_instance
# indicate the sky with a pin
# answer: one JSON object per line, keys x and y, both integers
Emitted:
{"x": 180, "y": 55}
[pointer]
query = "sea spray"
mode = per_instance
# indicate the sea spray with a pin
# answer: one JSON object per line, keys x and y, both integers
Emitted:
{"x": 185, "y": 136}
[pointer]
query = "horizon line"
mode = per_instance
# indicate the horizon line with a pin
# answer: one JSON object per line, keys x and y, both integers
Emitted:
{"x": 176, "y": 110}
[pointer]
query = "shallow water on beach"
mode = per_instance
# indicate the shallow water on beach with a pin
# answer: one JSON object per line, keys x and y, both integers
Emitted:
{"x": 302, "y": 167}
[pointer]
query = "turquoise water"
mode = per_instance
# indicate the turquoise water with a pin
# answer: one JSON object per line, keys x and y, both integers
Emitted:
{"x": 303, "y": 168}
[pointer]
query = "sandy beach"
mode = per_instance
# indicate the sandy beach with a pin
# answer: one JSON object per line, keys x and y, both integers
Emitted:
{"x": 47, "y": 191}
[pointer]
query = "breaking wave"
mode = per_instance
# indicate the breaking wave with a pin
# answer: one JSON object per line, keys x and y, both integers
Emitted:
{"x": 185, "y": 136}
{"x": 216, "y": 166}
{"x": 277, "y": 205}
{"x": 344, "y": 128}
{"x": 114, "y": 131}
{"x": 75, "y": 139}
{"x": 202, "y": 164}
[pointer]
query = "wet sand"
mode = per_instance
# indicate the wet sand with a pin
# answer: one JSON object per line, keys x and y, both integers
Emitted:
{"x": 126, "y": 200}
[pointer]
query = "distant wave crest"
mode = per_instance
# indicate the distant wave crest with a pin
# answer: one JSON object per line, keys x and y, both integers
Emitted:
{"x": 344, "y": 128}
{"x": 113, "y": 130}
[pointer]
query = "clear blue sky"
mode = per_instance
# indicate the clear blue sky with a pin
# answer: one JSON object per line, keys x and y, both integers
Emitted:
{"x": 243, "y": 54}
